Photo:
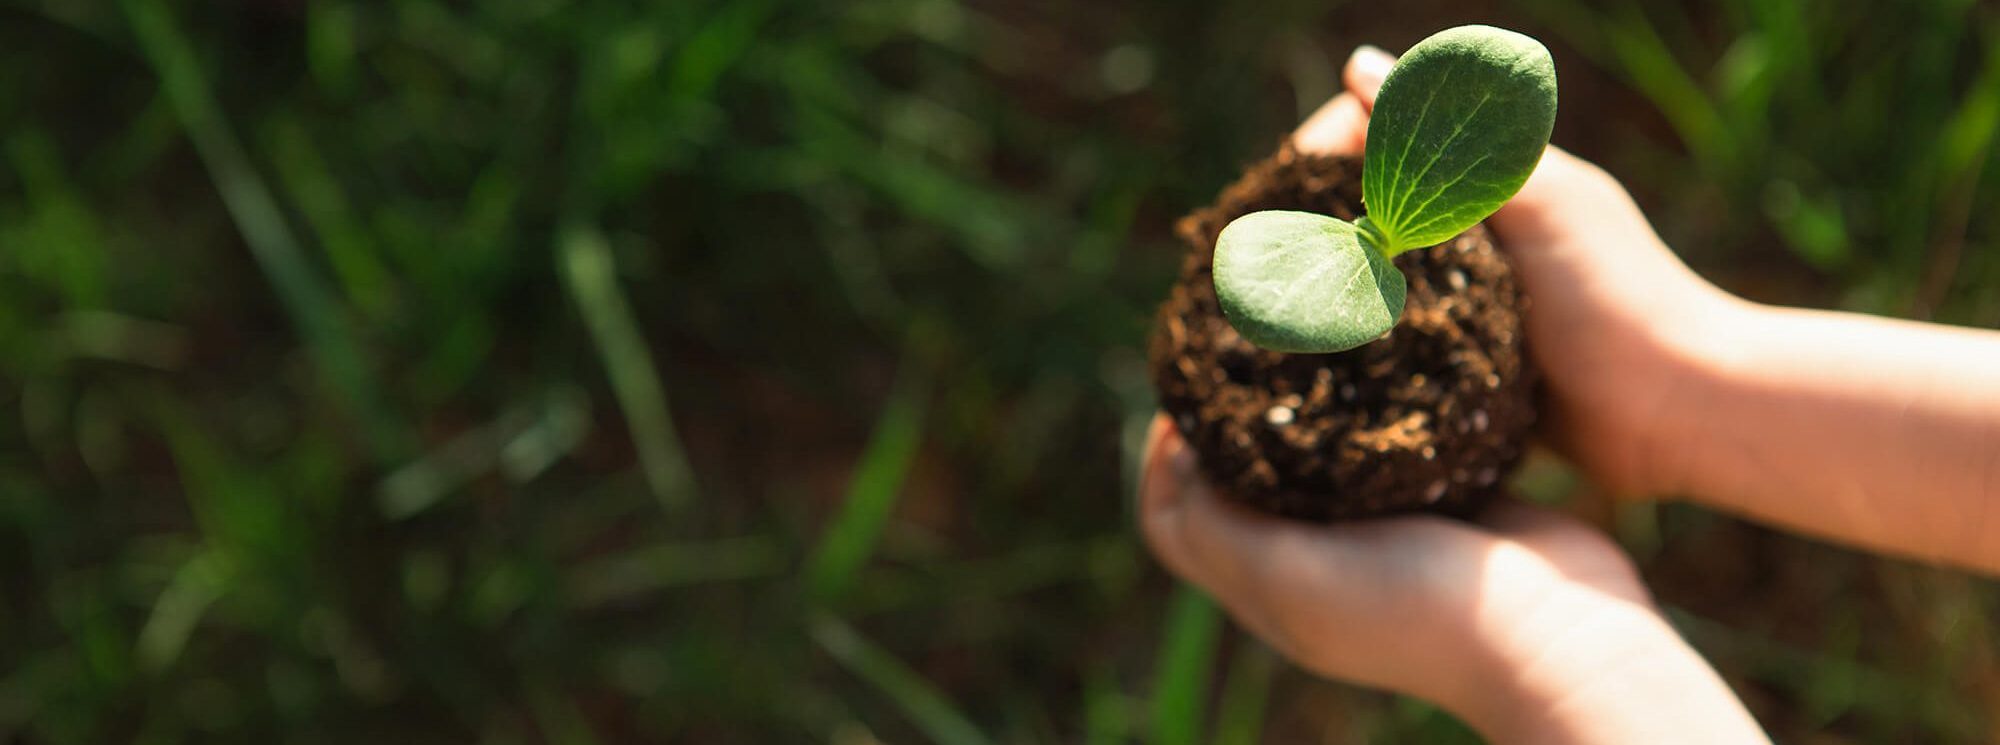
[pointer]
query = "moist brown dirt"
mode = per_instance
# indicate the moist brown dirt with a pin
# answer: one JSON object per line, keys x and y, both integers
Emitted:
{"x": 1432, "y": 417}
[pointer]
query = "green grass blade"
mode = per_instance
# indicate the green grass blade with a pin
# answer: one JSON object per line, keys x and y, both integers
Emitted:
{"x": 871, "y": 494}
{"x": 1651, "y": 66}
{"x": 651, "y": 569}
{"x": 557, "y": 716}
{"x": 1187, "y": 651}
{"x": 1967, "y": 142}
{"x": 199, "y": 583}
{"x": 65, "y": 243}
{"x": 926, "y": 707}
{"x": 1240, "y": 717}
{"x": 721, "y": 42}
{"x": 1626, "y": 42}
{"x": 332, "y": 218}
{"x": 1106, "y": 715}
{"x": 591, "y": 273}
{"x": 1021, "y": 571}
{"x": 255, "y": 211}
{"x": 520, "y": 443}
{"x": 241, "y": 511}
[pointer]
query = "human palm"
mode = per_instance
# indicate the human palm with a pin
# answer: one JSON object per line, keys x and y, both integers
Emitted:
{"x": 1614, "y": 318}
{"x": 1527, "y": 623}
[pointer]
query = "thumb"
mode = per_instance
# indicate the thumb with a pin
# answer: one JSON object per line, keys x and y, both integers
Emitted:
{"x": 1365, "y": 71}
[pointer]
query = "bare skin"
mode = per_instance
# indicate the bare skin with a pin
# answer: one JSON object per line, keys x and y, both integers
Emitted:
{"x": 1534, "y": 627}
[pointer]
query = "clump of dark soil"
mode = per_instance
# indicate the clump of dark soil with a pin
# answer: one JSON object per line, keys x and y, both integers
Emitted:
{"x": 1432, "y": 417}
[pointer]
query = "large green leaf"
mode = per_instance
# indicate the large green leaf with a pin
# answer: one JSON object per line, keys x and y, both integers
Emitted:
{"x": 1460, "y": 124}
{"x": 1301, "y": 282}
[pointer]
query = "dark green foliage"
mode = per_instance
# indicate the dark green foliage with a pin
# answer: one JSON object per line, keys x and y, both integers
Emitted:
{"x": 397, "y": 459}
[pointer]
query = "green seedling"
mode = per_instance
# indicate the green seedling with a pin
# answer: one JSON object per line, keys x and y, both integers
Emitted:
{"x": 1459, "y": 125}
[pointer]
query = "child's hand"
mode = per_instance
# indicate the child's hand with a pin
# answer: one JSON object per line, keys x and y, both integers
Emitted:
{"x": 1530, "y": 626}
{"x": 1879, "y": 433}
{"x": 1617, "y": 321}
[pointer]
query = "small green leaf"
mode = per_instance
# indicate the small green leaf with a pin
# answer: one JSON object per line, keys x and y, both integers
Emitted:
{"x": 1460, "y": 124}
{"x": 1301, "y": 282}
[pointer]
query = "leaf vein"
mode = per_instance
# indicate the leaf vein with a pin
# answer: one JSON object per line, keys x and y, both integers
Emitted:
{"x": 1396, "y": 184}
{"x": 1462, "y": 175}
{"x": 1404, "y": 197}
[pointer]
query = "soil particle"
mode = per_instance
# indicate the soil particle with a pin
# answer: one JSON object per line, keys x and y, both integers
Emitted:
{"x": 1395, "y": 425}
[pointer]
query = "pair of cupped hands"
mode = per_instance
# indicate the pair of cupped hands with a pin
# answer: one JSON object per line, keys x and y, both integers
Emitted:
{"x": 1528, "y": 624}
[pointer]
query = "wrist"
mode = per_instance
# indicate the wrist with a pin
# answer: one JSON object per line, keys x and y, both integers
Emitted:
{"x": 1622, "y": 675}
{"x": 1698, "y": 358}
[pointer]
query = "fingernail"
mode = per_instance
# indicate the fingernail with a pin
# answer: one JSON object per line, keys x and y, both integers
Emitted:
{"x": 1369, "y": 66}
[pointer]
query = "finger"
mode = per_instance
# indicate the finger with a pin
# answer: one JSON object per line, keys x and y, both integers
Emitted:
{"x": 1291, "y": 580}
{"x": 1166, "y": 472}
{"x": 1577, "y": 549}
{"x": 1365, "y": 71}
{"x": 1254, "y": 559}
{"x": 1520, "y": 520}
{"x": 1169, "y": 480}
{"x": 1547, "y": 531}
{"x": 1154, "y": 487}
{"x": 1158, "y": 483}
{"x": 1387, "y": 602}
{"x": 1339, "y": 127}
{"x": 1174, "y": 492}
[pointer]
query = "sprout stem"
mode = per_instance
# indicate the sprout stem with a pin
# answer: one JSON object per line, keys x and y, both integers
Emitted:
{"x": 1373, "y": 235}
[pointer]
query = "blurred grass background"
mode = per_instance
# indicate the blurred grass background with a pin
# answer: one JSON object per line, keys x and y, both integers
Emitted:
{"x": 767, "y": 371}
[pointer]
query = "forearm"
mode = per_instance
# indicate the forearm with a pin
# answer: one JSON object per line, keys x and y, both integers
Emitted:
{"x": 1874, "y": 432}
